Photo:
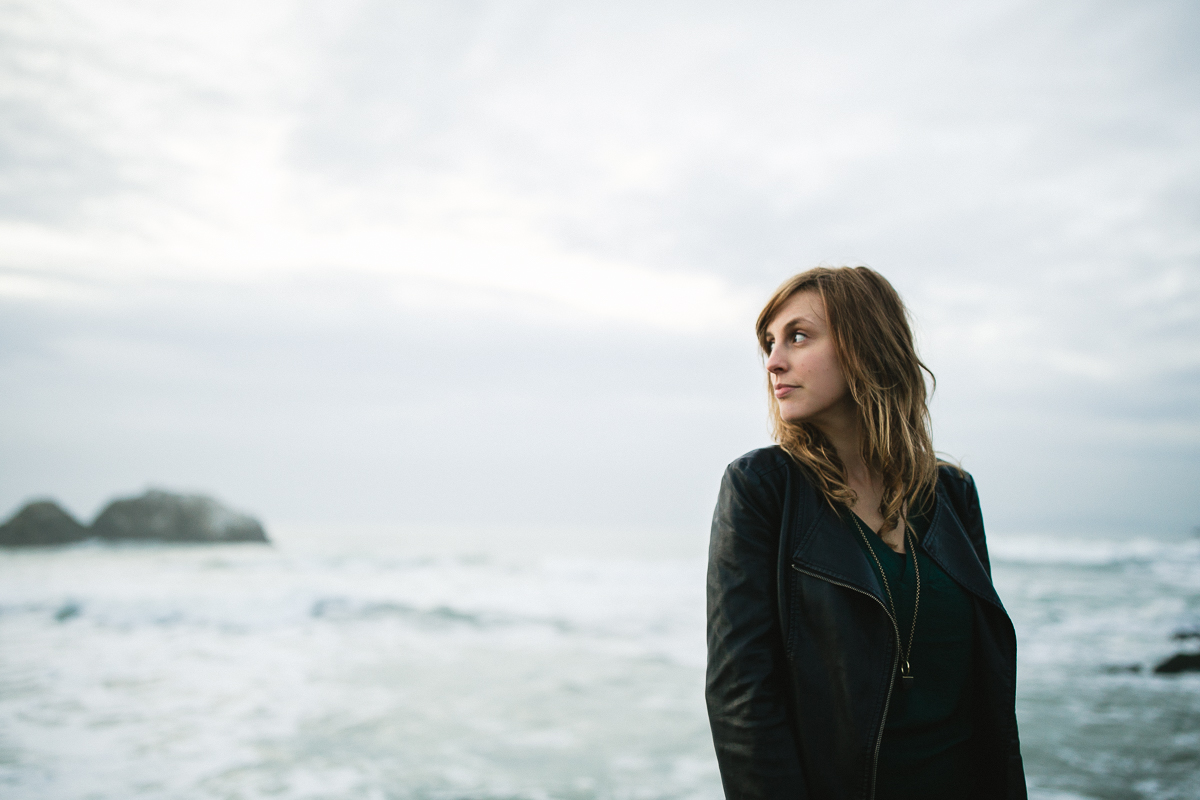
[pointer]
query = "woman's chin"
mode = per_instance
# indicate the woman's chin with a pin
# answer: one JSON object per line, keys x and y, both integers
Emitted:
{"x": 795, "y": 413}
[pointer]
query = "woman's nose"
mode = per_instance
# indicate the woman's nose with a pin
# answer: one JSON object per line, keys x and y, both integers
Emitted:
{"x": 775, "y": 362}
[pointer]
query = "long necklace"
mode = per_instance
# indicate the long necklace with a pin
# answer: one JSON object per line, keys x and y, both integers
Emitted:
{"x": 906, "y": 676}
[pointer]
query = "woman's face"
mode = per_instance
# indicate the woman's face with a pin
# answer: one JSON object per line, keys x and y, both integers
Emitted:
{"x": 805, "y": 374}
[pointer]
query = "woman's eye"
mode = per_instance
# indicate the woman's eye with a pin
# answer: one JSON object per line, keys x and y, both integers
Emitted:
{"x": 769, "y": 346}
{"x": 798, "y": 337}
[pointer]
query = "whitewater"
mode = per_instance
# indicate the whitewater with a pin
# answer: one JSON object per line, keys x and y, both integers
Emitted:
{"x": 321, "y": 669}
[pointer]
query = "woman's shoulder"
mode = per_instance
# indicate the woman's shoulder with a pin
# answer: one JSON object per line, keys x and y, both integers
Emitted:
{"x": 753, "y": 492}
{"x": 954, "y": 477}
{"x": 761, "y": 463}
{"x": 760, "y": 476}
{"x": 959, "y": 488}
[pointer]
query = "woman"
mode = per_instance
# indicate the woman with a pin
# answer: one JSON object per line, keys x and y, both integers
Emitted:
{"x": 856, "y": 647}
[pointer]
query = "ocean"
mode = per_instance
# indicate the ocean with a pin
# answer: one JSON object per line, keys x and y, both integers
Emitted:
{"x": 317, "y": 668}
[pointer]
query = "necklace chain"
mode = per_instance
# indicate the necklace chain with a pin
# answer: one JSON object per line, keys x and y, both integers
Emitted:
{"x": 905, "y": 653}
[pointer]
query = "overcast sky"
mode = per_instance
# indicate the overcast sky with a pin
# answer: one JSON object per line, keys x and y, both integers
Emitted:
{"x": 497, "y": 264}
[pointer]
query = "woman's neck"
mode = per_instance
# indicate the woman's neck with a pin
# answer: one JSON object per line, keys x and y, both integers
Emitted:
{"x": 844, "y": 433}
{"x": 842, "y": 430}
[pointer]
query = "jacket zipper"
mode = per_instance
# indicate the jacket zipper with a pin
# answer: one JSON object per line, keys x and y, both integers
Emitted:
{"x": 891, "y": 678}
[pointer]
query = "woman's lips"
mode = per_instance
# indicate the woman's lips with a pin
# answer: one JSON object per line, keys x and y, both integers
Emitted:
{"x": 782, "y": 390}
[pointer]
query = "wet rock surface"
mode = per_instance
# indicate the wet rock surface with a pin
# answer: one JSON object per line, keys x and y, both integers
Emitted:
{"x": 42, "y": 522}
{"x": 1180, "y": 662}
{"x": 1187, "y": 661}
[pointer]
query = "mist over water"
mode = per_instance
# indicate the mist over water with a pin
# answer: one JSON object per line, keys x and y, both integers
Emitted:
{"x": 360, "y": 669}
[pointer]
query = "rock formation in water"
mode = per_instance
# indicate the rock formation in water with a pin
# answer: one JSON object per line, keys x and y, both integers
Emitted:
{"x": 155, "y": 516}
{"x": 163, "y": 516}
{"x": 1180, "y": 662}
{"x": 42, "y": 522}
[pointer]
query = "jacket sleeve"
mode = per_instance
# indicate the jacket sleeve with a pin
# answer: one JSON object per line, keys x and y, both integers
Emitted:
{"x": 747, "y": 689}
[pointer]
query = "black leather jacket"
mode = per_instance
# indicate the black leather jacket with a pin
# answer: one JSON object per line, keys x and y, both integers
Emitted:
{"x": 802, "y": 653}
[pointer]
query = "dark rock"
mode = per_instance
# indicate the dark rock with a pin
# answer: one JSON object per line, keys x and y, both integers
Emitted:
{"x": 1180, "y": 662}
{"x": 167, "y": 517}
{"x": 1186, "y": 633}
{"x": 41, "y": 523}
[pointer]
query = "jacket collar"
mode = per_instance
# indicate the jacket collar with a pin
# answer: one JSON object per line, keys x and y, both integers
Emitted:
{"x": 947, "y": 544}
{"x": 828, "y": 548}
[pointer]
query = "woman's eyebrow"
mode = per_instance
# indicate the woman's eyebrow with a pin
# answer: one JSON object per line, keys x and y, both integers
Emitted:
{"x": 797, "y": 321}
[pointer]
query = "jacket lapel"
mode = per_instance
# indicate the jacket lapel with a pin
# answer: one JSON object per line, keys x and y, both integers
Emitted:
{"x": 827, "y": 547}
{"x": 946, "y": 543}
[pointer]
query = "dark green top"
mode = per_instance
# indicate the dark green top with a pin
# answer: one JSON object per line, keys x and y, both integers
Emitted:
{"x": 925, "y": 751}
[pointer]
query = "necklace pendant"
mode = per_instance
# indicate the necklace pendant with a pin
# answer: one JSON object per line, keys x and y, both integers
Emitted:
{"x": 906, "y": 682}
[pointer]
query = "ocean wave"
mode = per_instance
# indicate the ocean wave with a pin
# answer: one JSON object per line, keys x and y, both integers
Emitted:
{"x": 105, "y": 612}
{"x": 345, "y": 609}
{"x": 1049, "y": 549}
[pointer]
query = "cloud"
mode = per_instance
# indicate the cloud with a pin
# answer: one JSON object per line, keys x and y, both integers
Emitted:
{"x": 344, "y": 243}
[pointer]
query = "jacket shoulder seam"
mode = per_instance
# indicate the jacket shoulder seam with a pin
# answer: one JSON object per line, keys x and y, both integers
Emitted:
{"x": 748, "y": 463}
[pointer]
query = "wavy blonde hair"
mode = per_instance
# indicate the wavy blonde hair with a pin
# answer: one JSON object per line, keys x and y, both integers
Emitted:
{"x": 873, "y": 341}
